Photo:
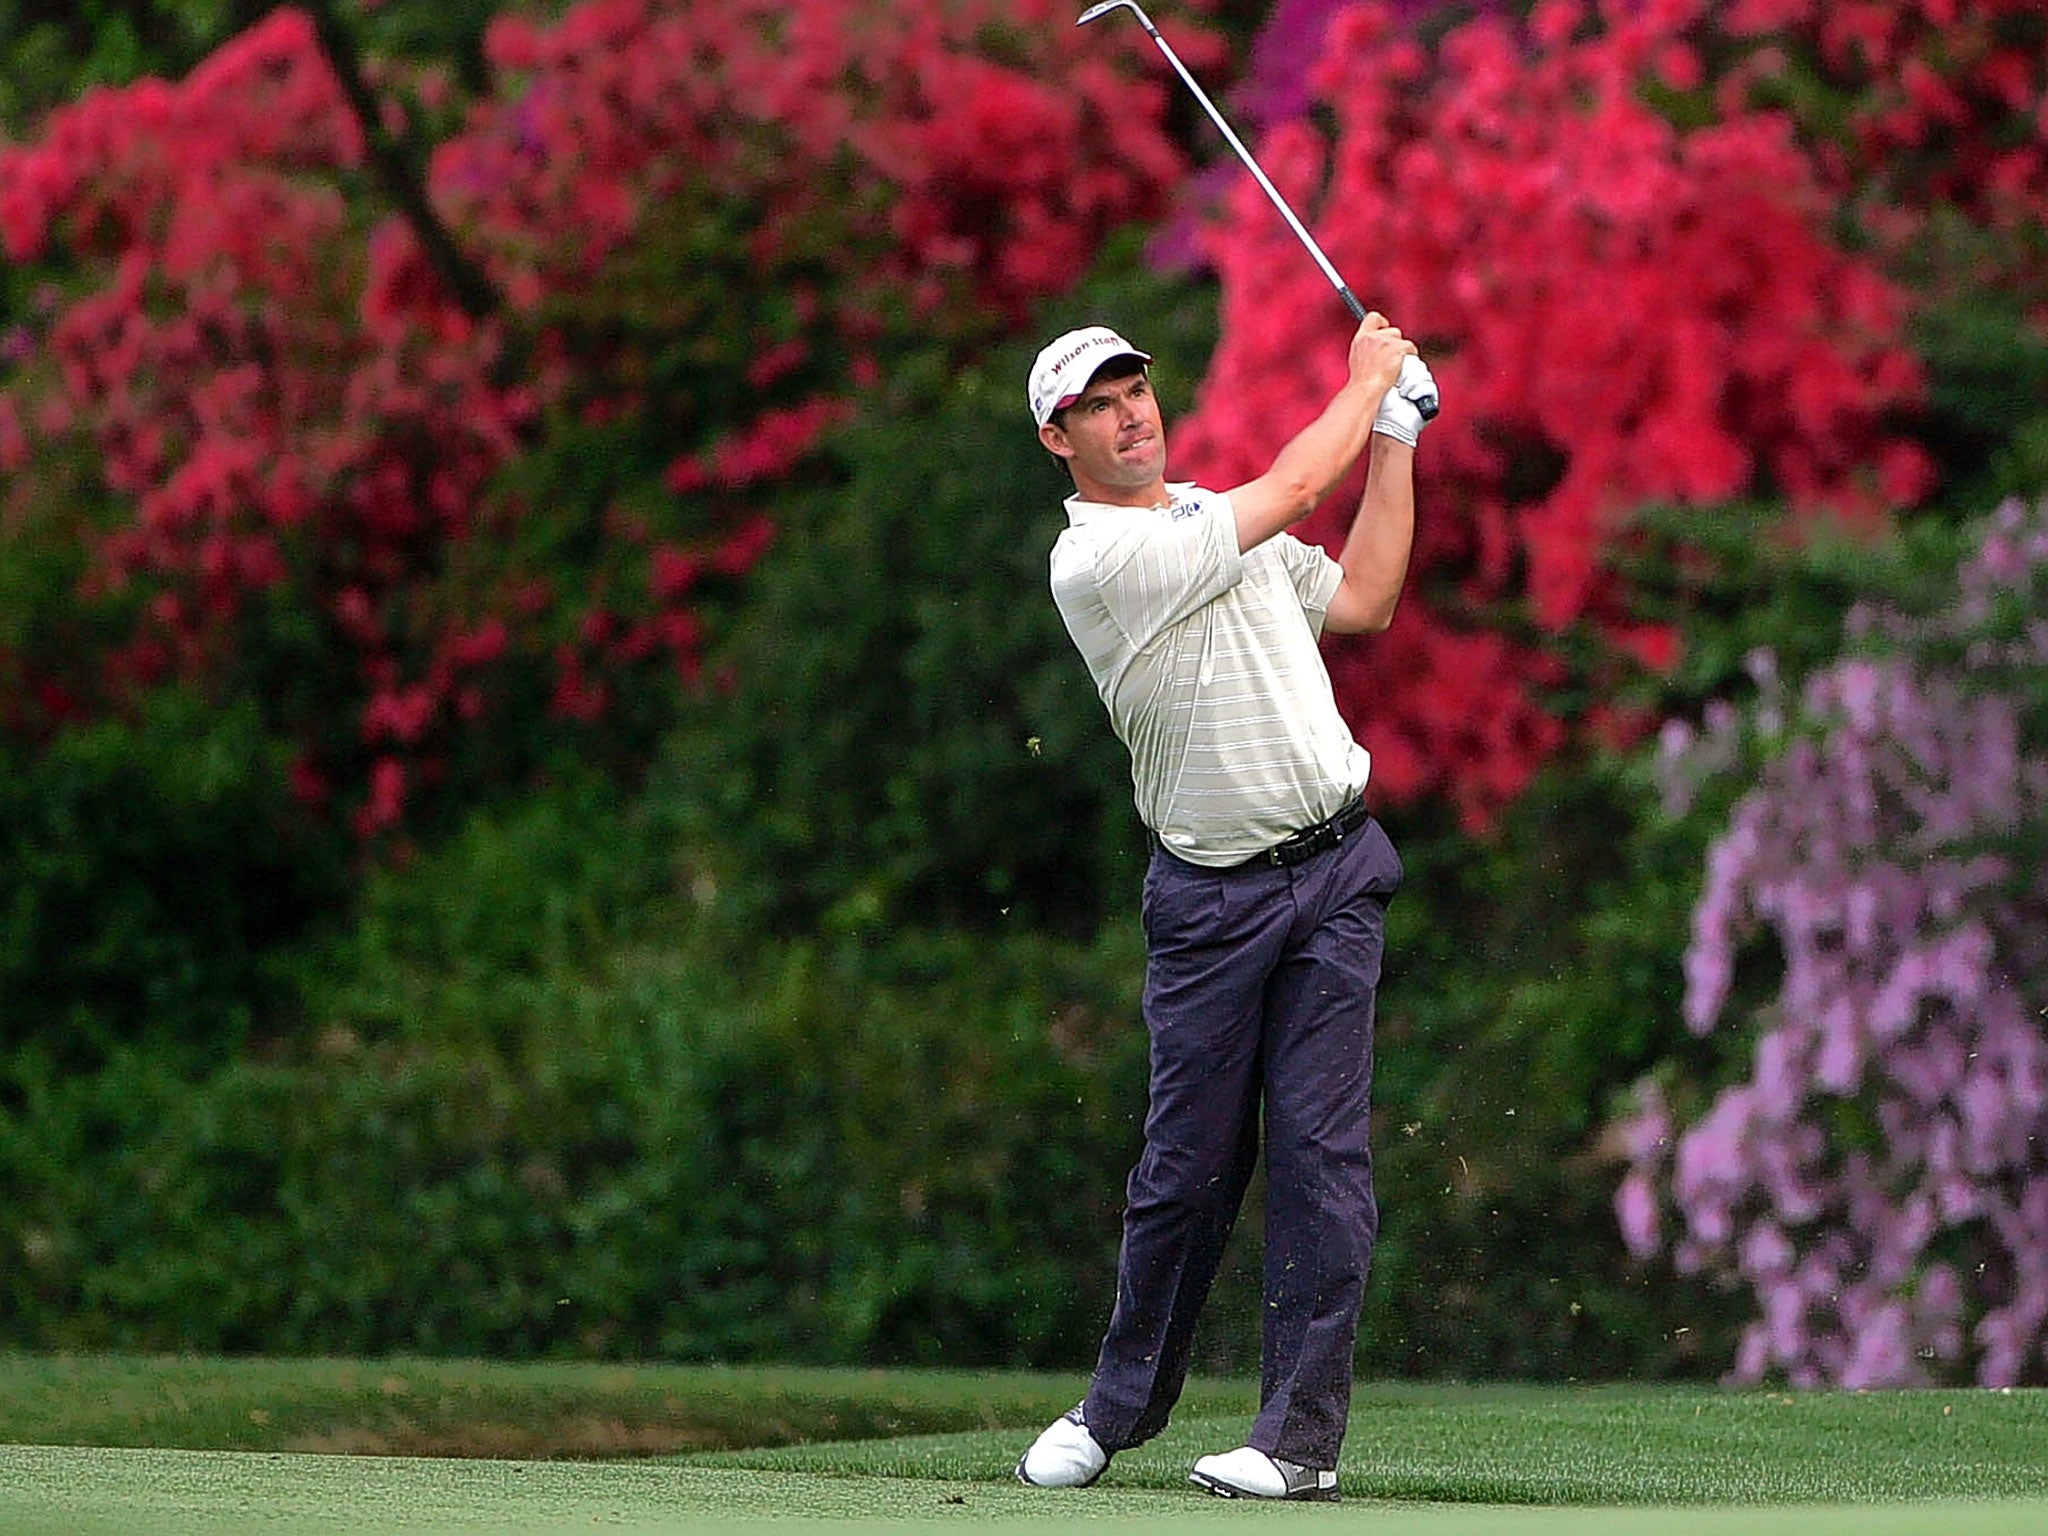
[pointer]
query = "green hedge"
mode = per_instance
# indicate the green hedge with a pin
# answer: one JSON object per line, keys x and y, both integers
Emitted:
{"x": 154, "y": 877}
{"x": 543, "y": 1106}
{"x": 825, "y": 1156}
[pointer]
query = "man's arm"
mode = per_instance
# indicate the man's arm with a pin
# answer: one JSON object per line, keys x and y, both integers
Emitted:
{"x": 1323, "y": 452}
{"x": 1375, "y": 553}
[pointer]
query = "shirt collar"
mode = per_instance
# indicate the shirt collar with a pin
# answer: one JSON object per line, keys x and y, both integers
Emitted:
{"x": 1080, "y": 511}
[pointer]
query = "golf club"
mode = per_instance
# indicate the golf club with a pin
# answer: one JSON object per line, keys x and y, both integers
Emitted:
{"x": 1427, "y": 406}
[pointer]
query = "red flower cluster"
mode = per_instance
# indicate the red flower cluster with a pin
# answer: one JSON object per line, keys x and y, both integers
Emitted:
{"x": 1934, "y": 107}
{"x": 280, "y": 406}
{"x": 1620, "y": 311}
{"x": 228, "y": 363}
{"x": 972, "y": 156}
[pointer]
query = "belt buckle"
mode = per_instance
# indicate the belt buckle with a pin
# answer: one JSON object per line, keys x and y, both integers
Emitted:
{"x": 1310, "y": 841}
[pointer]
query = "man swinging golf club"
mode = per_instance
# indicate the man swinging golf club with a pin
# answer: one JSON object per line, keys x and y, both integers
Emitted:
{"x": 1265, "y": 899}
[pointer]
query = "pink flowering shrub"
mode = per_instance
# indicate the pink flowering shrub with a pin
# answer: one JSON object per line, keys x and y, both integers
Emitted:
{"x": 428, "y": 533}
{"x": 1878, "y": 1180}
{"x": 1622, "y": 310}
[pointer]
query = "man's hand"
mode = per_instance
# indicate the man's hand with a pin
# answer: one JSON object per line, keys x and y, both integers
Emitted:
{"x": 1320, "y": 455}
{"x": 1409, "y": 405}
{"x": 1377, "y": 351}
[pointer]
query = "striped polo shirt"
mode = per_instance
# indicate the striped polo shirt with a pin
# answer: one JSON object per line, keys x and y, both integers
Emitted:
{"x": 1207, "y": 662}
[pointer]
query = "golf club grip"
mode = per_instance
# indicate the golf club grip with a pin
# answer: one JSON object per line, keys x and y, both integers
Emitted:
{"x": 1351, "y": 301}
{"x": 1427, "y": 406}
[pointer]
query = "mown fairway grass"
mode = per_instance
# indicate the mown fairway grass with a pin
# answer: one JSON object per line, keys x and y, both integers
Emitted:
{"x": 88, "y": 1450}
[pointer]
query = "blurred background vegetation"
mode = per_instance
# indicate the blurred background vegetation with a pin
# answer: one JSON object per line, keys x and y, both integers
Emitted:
{"x": 793, "y": 1016}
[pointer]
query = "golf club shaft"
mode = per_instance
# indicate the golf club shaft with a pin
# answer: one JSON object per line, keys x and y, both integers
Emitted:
{"x": 1343, "y": 289}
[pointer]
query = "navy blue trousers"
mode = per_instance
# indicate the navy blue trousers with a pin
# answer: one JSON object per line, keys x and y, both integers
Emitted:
{"x": 1259, "y": 995}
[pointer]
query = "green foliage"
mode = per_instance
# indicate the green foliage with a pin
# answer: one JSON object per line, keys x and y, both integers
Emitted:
{"x": 652, "y": 1146}
{"x": 1735, "y": 580}
{"x": 152, "y": 873}
{"x": 1988, "y": 381}
{"x": 438, "y": 30}
{"x": 1528, "y": 977}
{"x": 54, "y": 50}
{"x": 563, "y": 1093}
{"x": 910, "y": 735}
{"x": 463, "y": 948}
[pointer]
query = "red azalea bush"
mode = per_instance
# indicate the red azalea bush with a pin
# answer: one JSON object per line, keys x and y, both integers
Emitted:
{"x": 964, "y": 153}
{"x": 422, "y": 524}
{"x": 1922, "y": 110}
{"x": 1621, "y": 309}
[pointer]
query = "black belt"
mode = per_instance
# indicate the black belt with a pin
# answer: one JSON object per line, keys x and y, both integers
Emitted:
{"x": 1310, "y": 841}
{"x": 1306, "y": 843}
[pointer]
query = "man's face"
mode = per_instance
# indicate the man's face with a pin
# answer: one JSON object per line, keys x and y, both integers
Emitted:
{"x": 1111, "y": 437}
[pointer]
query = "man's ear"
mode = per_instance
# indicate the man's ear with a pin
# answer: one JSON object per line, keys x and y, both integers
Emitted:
{"x": 1055, "y": 441}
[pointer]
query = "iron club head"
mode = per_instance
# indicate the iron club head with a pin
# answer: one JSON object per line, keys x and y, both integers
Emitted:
{"x": 1104, "y": 7}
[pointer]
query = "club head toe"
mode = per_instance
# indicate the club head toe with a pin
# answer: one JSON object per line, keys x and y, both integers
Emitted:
{"x": 1101, "y": 9}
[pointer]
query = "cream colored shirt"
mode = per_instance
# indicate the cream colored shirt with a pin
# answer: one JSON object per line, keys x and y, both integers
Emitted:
{"x": 1207, "y": 662}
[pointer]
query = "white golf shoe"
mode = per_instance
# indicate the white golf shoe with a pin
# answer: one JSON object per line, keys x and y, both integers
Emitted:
{"x": 1246, "y": 1473}
{"x": 1065, "y": 1456}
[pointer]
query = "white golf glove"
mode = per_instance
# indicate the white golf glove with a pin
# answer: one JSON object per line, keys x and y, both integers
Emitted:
{"x": 1409, "y": 404}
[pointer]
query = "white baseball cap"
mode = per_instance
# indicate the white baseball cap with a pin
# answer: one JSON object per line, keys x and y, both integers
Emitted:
{"x": 1065, "y": 366}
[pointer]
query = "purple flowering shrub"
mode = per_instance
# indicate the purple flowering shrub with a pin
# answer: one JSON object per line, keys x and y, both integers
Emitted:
{"x": 1874, "y": 930}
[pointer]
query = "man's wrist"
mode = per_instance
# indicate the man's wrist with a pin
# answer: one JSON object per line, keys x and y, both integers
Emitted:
{"x": 1357, "y": 393}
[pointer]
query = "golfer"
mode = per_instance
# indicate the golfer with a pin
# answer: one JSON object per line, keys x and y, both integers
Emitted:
{"x": 1265, "y": 899}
